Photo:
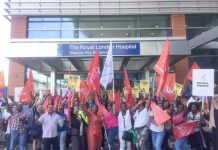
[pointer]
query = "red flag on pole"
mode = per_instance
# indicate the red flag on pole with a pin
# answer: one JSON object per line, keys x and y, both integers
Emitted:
{"x": 162, "y": 67}
{"x": 2, "y": 79}
{"x": 168, "y": 92}
{"x": 70, "y": 98}
{"x": 129, "y": 97}
{"x": 194, "y": 66}
{"x": 160, "y": 116}
{"x": 117, "y": 101}
{"x": 30, "y": 82}
{"x": 184, "y": 129}
{"x": 28, "y": 90}
{"x": 84, "y": 90}
{"x": 94, "y": 75}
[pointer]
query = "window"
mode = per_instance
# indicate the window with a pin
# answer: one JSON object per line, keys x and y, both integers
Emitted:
{"x": 99, "y": 26}
{"x": 197, "y": 24}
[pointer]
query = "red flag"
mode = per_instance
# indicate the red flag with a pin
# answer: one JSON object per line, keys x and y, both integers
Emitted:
{"x": 129, "y": 97}
{"x": 2, "y": 79}
{"x": 160, "y": 116}
{"x": 184, "y": 129}
{"x": 117, "y": 101}
{"x": 162, "y": 67}
{"x": 70, "y": 98}
{"x": 168, "y": 92}
{"x": 28, "y": 90}
{"x": 94, "y": 75}
{"x": 84, "y": 90}
{"x": 30, "y": 82}
{"x": 194, "y": 66}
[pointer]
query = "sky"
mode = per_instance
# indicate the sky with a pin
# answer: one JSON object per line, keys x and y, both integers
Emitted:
{"x": 4, "y": 39}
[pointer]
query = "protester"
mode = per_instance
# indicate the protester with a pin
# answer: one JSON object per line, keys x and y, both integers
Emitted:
{"x": 214, "y": 120}
{"x": 196, "y": 139}
{"x": 62, "y": 130}
{"x": 17, "y": 122}
{"x": 178, "y": 118}
{"x": 157, "y": 132}
{"x": 141, "y": 119}
{"x": 50, "y": 121}
{"x": 111, "y": 123}
{"x": 79, "y": 122}
{"x": 94, "y": 135}
{"x": 36, "y": 129}
{"x": 125, "y": 124}
{"x": 167, "y": 125}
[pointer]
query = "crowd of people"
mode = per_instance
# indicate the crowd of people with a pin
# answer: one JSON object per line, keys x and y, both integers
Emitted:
{"x": 88, "y": 124}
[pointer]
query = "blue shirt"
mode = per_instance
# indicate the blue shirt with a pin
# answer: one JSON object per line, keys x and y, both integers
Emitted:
{"x": 62, "y": 117}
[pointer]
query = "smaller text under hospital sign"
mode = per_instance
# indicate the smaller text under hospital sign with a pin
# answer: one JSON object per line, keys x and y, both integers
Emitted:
{"x": 88, "y": 49}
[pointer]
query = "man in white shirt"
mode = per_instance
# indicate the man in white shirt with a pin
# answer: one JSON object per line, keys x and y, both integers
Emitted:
{"x": 50, "y": 121}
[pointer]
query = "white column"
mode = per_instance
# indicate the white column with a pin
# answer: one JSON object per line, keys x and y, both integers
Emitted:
{"x": 53, "y": 81}
{"x": 147, "y": 74}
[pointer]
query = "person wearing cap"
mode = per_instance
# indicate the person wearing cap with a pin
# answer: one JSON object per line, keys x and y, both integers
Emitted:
{"x": 50, "y": 121}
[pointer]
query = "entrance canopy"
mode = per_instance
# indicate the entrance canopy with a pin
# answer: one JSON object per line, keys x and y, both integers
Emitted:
{"x": 136, "y": 54}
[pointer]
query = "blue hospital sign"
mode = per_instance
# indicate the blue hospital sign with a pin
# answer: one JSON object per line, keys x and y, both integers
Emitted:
{"x": 88, "y": 49}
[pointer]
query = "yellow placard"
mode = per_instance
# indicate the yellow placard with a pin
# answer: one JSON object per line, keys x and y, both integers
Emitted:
{"x": 177, "y": 89}
{"x": 136, "y": 85}
{"x": 135, "y": 92}
{"x": 73, "y": 82}
{"x": 144, "y": 86}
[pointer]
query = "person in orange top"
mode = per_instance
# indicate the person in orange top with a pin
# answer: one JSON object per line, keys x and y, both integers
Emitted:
{"x": 94, "y": 135}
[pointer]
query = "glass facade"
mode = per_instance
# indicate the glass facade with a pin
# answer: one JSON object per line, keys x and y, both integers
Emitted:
{"x": 197, "y": 24}
{"x": 99, "y": 27}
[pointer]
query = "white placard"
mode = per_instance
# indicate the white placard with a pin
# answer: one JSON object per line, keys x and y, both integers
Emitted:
{"x": 17, "y": 92}
{"x": 203, "y": 82}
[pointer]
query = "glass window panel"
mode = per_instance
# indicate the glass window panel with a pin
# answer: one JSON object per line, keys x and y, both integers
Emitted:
{"x": 35, "y": 19}
{"x": 155, "y": 21}
{"x": 155, "y": 33}
{"x": 69, "y": 34}
{"x": 107, "y": 33}
{"x": 69, "y": 25}
{"x": 51, "y": 19}
{"x": 191, "y": 33}
{"x": 70, "y": 19}
{"x": 44, "y": 34}
{"x": 44, "y": 25}
{"x": 201, "y": 20}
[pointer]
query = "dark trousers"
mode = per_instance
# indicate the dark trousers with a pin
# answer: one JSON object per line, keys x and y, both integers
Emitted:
{"x": 165, "y": 145}
{"x": 215, "y": 138}
{"x": 47, "y": 142}
{"x": 196, "y": 141}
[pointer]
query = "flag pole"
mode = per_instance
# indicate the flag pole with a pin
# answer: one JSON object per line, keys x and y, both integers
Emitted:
{"x": 155, "y": 74}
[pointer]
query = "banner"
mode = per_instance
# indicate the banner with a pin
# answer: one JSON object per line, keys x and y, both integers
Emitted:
{"x": 162, "y": 67}
{"x": 184, "y": 129}
{"x": 107, "y": 75}
{"x": 72, "y": 81}
{"x": 177, "y": 89}
{"x": 160, "y": 116}
{"x": 203, "y": 82}
{"x": 144, "y": 86}
{"x": 135, "y": 92}
{"x": 167, "y": 91}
